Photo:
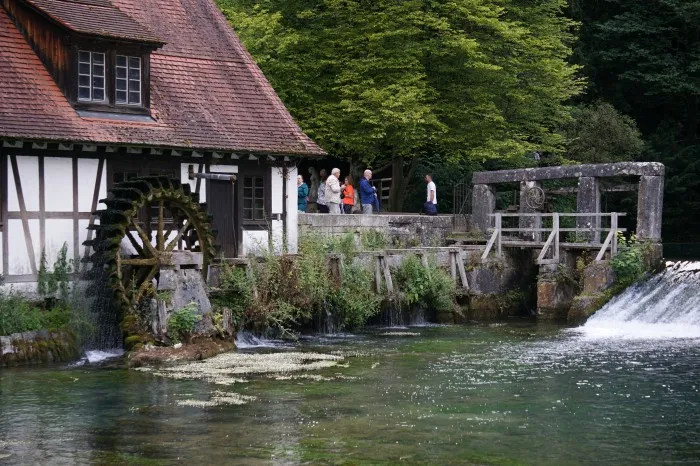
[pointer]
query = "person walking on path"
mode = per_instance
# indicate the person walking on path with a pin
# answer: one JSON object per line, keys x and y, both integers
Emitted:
{"x": 302, "y": 194}
{"x": 321, "y": 195}
{"x": 348, "y": 196}
{"x": 333, "y": 190}
{"x": 431, "y": 198}
{"x": 368, "y": 193}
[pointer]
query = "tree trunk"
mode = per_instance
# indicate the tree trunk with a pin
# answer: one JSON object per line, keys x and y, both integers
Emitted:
{"x": 397, "y": 184}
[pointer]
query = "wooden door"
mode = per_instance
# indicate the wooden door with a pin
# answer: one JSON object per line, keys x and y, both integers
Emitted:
{"x": 221, "y": 204}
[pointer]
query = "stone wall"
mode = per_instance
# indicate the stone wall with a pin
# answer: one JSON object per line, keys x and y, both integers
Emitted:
{"x": 400, "y": 230}
{"x": 39, "y": 347}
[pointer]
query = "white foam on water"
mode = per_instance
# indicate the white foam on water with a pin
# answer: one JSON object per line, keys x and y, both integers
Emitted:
{"x": 248, "y": 340}
{"x": 95, "y": 356}
{"x": 666, "y": 306}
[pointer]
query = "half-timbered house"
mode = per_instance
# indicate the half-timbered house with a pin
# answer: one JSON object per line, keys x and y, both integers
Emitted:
{"x": 94, "y": 92}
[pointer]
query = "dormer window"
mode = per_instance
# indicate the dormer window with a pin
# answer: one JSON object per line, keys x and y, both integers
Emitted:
{"x": 91, "y": 76}
{"x": 128, "y": 80}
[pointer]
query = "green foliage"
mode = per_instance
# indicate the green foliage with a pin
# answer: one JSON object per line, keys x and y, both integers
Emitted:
{"x": 54, "y": 283}
{"x": 373, "y": 240}
{"x": 235, "y": 291}
{"x": 599, "y": 134}
{"x": 19, "y": 315}
{"x": 182, "y": 322}
{"x": 629, "y": 264}
{"x": 354, "y": 302}
{"x": 382, "y": 81}
{"x": 428, "y": 287}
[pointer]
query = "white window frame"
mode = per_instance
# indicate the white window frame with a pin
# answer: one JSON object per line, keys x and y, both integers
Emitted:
{"x": 91, "y": 74}
{"x": 128, "y": 80}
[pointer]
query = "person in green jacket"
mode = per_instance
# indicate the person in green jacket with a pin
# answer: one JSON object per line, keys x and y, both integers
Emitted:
{"x": 302, "y": 193}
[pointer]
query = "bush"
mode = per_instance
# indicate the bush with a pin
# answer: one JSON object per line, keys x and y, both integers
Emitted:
{"x": 182, "y": 322}
{"x": 629, "y": 263}
{"x": 235, "y": 292}
{"x": 19, "y": 315}
{"x": 354, "y": 302}
{"x": 428, "y": 287}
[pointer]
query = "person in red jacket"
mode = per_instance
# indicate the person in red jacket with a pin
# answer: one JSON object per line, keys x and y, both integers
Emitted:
{"x": 348, "y": 196}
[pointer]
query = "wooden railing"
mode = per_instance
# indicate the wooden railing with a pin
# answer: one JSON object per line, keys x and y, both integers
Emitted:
{"x": 553, "y": 242}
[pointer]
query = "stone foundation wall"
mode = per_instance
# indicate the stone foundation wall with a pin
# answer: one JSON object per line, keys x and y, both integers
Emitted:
{"x": 401, "y": 230}
{"x": 40, "y": 347}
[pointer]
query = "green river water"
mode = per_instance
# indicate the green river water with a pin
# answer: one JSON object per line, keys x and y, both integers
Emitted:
{"x": 491, "y": 394}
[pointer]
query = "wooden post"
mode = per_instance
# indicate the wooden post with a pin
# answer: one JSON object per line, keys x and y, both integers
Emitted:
{"x": 555, "y": 226}
{"x": 613, "y": 228}
{"x": 462, "y": 271}
{"x": 498, "y": 226}
{"x": 378, "y": 273}
{"x": 453, "y": 266}
{"x": 387, "y": 276}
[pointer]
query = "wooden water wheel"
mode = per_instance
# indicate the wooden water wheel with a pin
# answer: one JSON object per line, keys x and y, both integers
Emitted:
{"x": 149, "y": 223}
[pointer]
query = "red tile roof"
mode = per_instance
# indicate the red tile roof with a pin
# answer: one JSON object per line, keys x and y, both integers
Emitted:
{"x": 96, "y": 18}
{"x": 207, "y": 93}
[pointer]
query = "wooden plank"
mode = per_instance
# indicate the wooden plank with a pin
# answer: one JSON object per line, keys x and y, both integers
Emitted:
{"x": 378, "y": 273}
{"x": 462, "y": 271}
{"x": 42, "y": 205}
{"x": 23, "y": 214}
{"x": 489, "y": 245}
{"x": 607, "y": 242}
{"x": 547, "y": 245}
{"x": 563, "y": 214}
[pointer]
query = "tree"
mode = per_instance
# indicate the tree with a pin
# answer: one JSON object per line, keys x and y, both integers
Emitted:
{"x": 597, "y": 133}
{"x": 391, "y": 82}
{"x": 644, "y": 58}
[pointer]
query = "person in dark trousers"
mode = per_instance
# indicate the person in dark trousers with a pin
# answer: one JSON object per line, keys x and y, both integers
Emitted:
{"x": 321, "y": 197}
{"x": 348, "y": 196}
{"x": 431, "y": 196}
{"x": 368, "y": 193}
{"x": 302, "y": 194}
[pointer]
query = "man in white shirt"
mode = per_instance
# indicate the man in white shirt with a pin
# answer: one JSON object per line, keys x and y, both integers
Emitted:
{"x": 431, "y": 198}
{"x": 333, "y": 190}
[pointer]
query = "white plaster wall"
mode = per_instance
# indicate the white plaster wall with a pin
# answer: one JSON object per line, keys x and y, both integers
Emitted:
{"x": 1, "y": 261}
{"x": 18, "y": 256}
{"x": 87, "y": 172}
{"x": 58, "y": 232}
{"x": 292, "y": 213}
{"x": 58, "y": 180}
{"x": 255, "y": 242}
{"x": 28, "y": 168}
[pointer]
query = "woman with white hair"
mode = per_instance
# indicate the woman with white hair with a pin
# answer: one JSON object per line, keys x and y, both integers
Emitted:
{"x": 333, "y": 190}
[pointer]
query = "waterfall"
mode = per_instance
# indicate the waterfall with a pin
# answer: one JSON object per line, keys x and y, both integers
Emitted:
{"x": 667, "y": 305}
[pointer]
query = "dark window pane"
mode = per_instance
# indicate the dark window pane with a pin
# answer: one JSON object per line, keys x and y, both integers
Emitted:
{"x": 121, "y": 84}
{"x": 134, "y": 86}
{"x": 259, "y": 193}
{"x": 247, "y": 214}
{"x": 98, "y": 58}
{"x": 259, "y": 182}
{"x": 259, "y": 204}
{"x": 84, "y": 68}
{"x": 121, "y": 73}
{"x": 134, "y": 62}
{"x": 84, "y": 81}
{"x": 134, "y": 98}
{"x": 121, "y": 97}
{"x": 84, "y": 93}
{"x": 135, "y": 73}
{"x": 84, "y": 57}
{"x": 98, "y": 82}
{"x": 247, "y": 181}
{"x": 247, "y": 203}
{"x": 98, "y": 70}
{"x": 98, "y": 94}
{"x": 121, "y": 60}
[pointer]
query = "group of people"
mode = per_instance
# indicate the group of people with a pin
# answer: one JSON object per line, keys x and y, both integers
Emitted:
{"x": 335, "y": 197}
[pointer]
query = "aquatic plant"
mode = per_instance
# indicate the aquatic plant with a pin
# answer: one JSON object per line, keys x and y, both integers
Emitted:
{"x": 429, "y": 287}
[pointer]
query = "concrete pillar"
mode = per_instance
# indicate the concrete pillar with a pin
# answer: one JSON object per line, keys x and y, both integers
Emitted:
{"x": 483, "y": 205}
{"x": 650, "y": 204}
{"x": 588, "y": 200}
{"x": 529, "y": 222}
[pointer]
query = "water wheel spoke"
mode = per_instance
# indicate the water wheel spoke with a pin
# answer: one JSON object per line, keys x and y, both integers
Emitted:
{"x": 144, "y": 285}
{"x": 140, "y": 262}
{"x": 146, "y": 240}
{"x": 160, "y": 239}
{"x": 176, "y": 221}
{"x": 135, "y": 244}
{"x": 177, "y": 238}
